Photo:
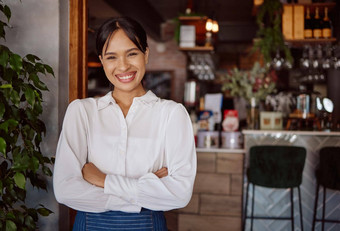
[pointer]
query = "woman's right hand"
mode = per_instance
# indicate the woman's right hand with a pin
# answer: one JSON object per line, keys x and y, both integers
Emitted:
{"x": 163, "y": 172}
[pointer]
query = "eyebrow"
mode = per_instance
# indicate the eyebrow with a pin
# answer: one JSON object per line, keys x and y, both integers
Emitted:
{"x": 127, "y": 51}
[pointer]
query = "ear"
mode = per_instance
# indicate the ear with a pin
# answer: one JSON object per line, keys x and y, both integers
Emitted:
{"x": 101, "y": 59}
{"x": 146, "y": 55}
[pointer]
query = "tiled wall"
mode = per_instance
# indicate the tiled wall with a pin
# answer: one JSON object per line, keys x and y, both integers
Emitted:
{"x": 217, "y": 200}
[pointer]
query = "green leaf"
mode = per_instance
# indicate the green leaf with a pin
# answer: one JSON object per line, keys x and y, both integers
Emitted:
{"x": 3, "y": 86}
{"x": 15, "y": 98}
{"x": 15, "y": 62}
{"x": 34, "y": 163}
{"x": 49, "y": 69}
{"x": 3, "y": 57}
{"x": 7, "y": 12}
{"x": 41, "y": 86}
{"x": 10, "y": 123}
{"x": 2, "y": 110}
{"x": 38, "y": 108}
{"x": 34, "y": 77}
{"x": 9, "y": 75}
{"x": 10, "y": 215}
{"x": 3, "y": 146}
{"x": 33, "y": 213}
{"x": 30, "y": 96}
{"x": 20, "y": 180}
{"x": 29, "y": 222}
{"x": 2, "y": 29}
{"x": 21, "y": 194}
{"x": 10, "y": 226}
{"x": 44, "y": 211}
{"x": 32, "y": 58}
{"x": 40, "y": 68}
{"x": 47, "y": 171}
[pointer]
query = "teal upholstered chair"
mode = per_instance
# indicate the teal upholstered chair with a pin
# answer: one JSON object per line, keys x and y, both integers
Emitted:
{"x": 275, "y": 167}
{"x": 328, "y": 177}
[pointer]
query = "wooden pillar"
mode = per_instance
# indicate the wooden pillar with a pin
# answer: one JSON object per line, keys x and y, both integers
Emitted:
{"x": 78, "y": 50}
{"x": 78, "y": 22}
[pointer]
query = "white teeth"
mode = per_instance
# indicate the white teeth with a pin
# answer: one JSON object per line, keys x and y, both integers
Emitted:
{"x": 126, "y": 77}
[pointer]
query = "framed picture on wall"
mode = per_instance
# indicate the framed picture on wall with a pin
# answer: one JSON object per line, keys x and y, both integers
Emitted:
{"x": 159, "y": 82}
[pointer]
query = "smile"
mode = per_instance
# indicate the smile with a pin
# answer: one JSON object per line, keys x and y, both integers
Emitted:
{"x": 126, "y": 77}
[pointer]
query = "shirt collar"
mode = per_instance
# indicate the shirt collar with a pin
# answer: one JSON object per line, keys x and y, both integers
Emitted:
{"x": 149, "y": 98}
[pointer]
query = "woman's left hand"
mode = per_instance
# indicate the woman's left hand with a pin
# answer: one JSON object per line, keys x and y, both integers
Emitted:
{"x": 93, "y": 175}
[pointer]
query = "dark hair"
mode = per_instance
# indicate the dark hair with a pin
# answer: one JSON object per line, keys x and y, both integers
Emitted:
{"x": 132, "y": 29}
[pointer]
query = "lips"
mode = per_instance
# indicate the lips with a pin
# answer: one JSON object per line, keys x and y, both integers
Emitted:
{"x": 126, "y": 77}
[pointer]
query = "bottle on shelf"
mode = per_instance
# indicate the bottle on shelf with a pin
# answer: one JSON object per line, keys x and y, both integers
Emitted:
{"x": 317, "y": 25}
{"x": 188, "y": 9}
{"x": 308, "y": 30}
{"x": 326, "y": 26}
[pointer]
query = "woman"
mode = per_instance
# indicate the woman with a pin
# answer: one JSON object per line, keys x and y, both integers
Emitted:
{"x": 125, "y": 157}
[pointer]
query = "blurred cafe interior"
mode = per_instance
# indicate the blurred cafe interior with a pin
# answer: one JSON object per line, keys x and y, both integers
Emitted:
{"x": 263, "y": 74}
{"x": 260, "y": 80}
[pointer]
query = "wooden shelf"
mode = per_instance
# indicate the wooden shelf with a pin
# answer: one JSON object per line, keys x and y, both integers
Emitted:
{"x": 301, "y": 42}
{"x": 94, "y": 64}
{"x": 192, "y": 18}
{"x": 197, "y": 48}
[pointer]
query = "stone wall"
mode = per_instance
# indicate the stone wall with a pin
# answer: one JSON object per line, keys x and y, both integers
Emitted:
{"x": 216, "y": 203}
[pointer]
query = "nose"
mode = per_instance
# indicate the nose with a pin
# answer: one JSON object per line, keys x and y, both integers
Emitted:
{"x": 123, "y": 64}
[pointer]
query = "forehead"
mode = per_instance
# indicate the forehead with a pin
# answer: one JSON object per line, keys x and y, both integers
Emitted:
{"x": 119, "y": 41}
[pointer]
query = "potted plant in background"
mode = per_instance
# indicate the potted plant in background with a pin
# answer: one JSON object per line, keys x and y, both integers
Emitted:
{"x": 21, "y": 132}
{"x": 253, "y": 85}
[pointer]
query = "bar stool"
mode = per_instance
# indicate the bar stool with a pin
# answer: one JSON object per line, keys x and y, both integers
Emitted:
{"x": 278, "y": 167}
{"x": 328, "y": 177}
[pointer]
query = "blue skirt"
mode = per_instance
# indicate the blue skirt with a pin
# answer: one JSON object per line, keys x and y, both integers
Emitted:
{"x": 146, "y": 220}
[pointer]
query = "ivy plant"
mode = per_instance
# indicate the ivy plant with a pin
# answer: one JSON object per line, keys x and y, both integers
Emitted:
{"x": 21, "y": 131}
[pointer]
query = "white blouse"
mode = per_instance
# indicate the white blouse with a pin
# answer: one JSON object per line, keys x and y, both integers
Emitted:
{"x": 155, "y": 133}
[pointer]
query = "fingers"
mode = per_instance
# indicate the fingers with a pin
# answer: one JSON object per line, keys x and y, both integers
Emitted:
{"x": 163, "y": 172}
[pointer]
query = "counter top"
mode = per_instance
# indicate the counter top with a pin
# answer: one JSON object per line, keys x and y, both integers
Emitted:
{"x": 287, "y": 132}
{"x": 220, "y": 150}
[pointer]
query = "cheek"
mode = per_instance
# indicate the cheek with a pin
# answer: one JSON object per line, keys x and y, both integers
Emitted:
{"x": 107, "y": 68}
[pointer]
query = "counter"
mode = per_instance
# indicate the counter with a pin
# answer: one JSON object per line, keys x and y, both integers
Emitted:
{"x": 277, "y": 201}
{"x": 216, "y": 203}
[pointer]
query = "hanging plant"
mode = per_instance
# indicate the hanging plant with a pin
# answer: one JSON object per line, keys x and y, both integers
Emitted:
{"x": 270, "y": 39}
{"x": 21, "y": 132}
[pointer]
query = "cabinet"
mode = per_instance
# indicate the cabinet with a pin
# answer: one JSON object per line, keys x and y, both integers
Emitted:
{"x": 199, "y": 22}
{"x": 289, "y": 17}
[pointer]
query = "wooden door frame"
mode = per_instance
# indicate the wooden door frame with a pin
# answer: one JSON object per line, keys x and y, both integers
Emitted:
{"x": 78, "y": 24}
{"x": 78, "y": 49}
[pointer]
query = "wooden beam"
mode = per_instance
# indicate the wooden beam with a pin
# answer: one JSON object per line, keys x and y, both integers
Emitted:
{"x": 78, "y": 50}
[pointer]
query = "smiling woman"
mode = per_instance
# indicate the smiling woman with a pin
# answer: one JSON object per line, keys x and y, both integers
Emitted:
{"x": 128, "y": 155}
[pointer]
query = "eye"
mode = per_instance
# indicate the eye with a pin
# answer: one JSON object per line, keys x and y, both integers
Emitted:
{"x": 132, "y": 54}
{"x": 111, "y": 57}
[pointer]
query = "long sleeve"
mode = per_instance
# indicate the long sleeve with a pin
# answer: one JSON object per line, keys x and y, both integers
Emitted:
{"x": 173, "y": 191}
{"x": 69, "y": 186}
